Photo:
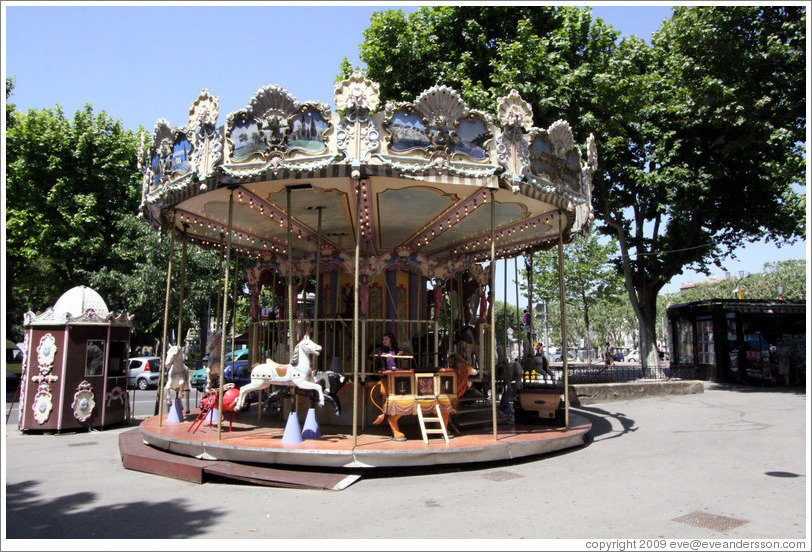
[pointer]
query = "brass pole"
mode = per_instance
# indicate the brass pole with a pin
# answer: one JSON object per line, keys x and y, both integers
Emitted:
{"x": 504, "y": 312}
{"x": 160, "y": 395}
{"x": 563, "y": 320}
{"x": 490, "y": 356}
{"x": 234, "y": 312}
{"x": 317, "y": 294}
{"x": 516, "y": 275}
{"x": 355, "y": 315}
{"x": 180, "y": 304}
{"x": 291, "y": 337}
{"x": 223, "y": 326}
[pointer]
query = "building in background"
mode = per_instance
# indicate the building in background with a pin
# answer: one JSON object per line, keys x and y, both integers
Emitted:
{"x": 736, "y": 341}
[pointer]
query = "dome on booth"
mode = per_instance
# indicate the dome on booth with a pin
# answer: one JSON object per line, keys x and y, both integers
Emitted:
{"x": 78, "y": 300}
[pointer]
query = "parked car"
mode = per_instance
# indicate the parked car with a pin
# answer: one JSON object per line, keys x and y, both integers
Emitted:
{"x": 241, "y": 354}
{"x": 634, "y": 356}
{"x": 239, "y": 376}
{"x": 238, "y": 373}
{"x": 559, "y": 356}
{"x": 143, "y": 372}
{"x": 198, "y": 379}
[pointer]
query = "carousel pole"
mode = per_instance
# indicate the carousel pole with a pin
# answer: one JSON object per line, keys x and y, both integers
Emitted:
{"x": 493, "y": 312}
{"x": 180, "y": 301}
{"x": 219, "y": 280}
{"x": 516, "y": 276}
{"x": 317, "y": 295}
{"x": 530, "y": 302}
{"x": 159, "y": 397}
{"x": 291, "y": 337}
{"x": 234, "y": 314}
{"x": 563, "y": 321}
{"x": 223, "y": 326}
{"x": 504, "y": 313}
{"x": 355, "y": 314}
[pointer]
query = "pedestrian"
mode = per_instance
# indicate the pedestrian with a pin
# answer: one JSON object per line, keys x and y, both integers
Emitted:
{"x": 608, "y": 358}
{"x": 783, "y": 352}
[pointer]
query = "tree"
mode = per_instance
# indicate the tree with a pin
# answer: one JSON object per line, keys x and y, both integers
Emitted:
{"x": 703, "y": 155}
{"x": 67, "y": 182}
{"x": 699, "y": 135}
{"x": 72, "y": 193}
{"x": 590, "y": 281}
{"x": 761, "y": 286}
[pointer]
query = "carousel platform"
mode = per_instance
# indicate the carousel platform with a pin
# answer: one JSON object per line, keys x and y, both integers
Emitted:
{"x": 259, "y": 443}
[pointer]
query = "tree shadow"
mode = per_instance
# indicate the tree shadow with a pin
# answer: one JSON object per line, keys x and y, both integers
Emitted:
{"x": 34, "y": 515}
{"x": 601, "y": 425}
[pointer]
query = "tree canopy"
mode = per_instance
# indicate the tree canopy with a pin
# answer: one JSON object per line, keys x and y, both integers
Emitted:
{"x": 700, "y": 134}
{"x": 72, "y": 191}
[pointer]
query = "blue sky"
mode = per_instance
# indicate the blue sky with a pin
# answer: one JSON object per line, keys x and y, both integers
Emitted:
{"x": 143, "y": 63}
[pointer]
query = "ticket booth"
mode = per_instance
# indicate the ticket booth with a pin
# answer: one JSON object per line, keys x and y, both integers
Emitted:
{"x": 75, "y": 365}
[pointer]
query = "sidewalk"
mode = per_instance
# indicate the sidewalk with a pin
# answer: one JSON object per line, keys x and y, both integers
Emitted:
{"x": 728, "y": 463}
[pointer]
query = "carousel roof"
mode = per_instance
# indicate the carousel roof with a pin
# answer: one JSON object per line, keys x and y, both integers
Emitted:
{"x": 419, "y": 173}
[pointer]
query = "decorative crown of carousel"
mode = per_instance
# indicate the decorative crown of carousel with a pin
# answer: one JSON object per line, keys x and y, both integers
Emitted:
{"x": 410, "y": 179}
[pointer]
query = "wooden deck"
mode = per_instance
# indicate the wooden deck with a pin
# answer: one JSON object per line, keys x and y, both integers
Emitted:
{"x": 261, "y": 443}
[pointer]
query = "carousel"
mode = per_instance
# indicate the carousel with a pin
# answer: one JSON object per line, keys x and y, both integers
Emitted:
{"x": 377, "y": 232}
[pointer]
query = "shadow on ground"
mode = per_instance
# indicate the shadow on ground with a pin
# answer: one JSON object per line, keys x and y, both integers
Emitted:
{"x": 31, "y": 513}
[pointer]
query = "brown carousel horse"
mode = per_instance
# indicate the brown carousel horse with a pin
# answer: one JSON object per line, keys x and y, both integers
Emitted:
{"x": 463, "y": 371}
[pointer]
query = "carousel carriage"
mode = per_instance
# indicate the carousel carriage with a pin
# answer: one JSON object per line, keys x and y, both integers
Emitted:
{"x": 369, "y": 220}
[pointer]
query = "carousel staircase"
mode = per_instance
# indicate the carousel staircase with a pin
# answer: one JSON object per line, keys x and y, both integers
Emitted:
{"x": 438, "y": 419}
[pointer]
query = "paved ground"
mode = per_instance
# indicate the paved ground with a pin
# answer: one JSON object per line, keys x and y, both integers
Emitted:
{"x": 739, "y": 453}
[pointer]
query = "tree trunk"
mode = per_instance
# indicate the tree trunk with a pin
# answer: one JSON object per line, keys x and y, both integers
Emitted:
{"x": 586, "y": 326}
{"x": 647, "y": 319}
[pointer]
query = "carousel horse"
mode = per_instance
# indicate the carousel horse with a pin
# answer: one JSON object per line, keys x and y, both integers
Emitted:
{"x": 296, "y": 374}
{"x": 177, "y": 373}
{"x": 330, "y": 382}
{"x": 463, "y": 371}
{"x": 508, "y": 373}
{"x": 213, "y": 366}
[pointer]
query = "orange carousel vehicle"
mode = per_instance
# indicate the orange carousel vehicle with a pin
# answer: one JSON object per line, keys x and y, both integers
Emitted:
{"x": 365, "y": 221}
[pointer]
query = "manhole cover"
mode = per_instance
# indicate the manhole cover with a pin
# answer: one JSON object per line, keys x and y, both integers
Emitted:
{"x": 501, "y": 475}
{"x": 710, "y": 521}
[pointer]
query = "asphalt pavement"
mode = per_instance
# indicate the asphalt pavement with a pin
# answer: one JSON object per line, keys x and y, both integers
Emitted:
{"x": 729, "y": 463}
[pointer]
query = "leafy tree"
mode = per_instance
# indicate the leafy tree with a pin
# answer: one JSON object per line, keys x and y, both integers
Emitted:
{"x": 699, "y": 135}
{"x": 761, "y": 286}
{"x": 72, "y": 193}
{"x": 67, "y": 182}
{"x": 702, "y": 155}
{"x": 590, "y": 281}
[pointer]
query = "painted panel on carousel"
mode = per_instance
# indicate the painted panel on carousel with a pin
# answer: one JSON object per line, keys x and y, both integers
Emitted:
{"x": 246, "y": 138}
{"x": 180, "y": 162}
{"x": 407, "y": 131}
{"x": 470, "y": 138}
{"x": 307, "y": 131}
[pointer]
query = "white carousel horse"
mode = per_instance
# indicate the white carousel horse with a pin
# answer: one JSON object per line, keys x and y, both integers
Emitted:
{"x": 177, "y": 373}
{"x": 213, "y": 366}
{"x": 296, "y": 374}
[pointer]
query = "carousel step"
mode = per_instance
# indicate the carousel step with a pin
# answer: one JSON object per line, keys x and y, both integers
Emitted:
{"x": 432, "y": 419}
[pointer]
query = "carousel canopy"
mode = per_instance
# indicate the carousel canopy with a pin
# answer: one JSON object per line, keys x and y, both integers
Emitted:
{"x": 417, "y": 176}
